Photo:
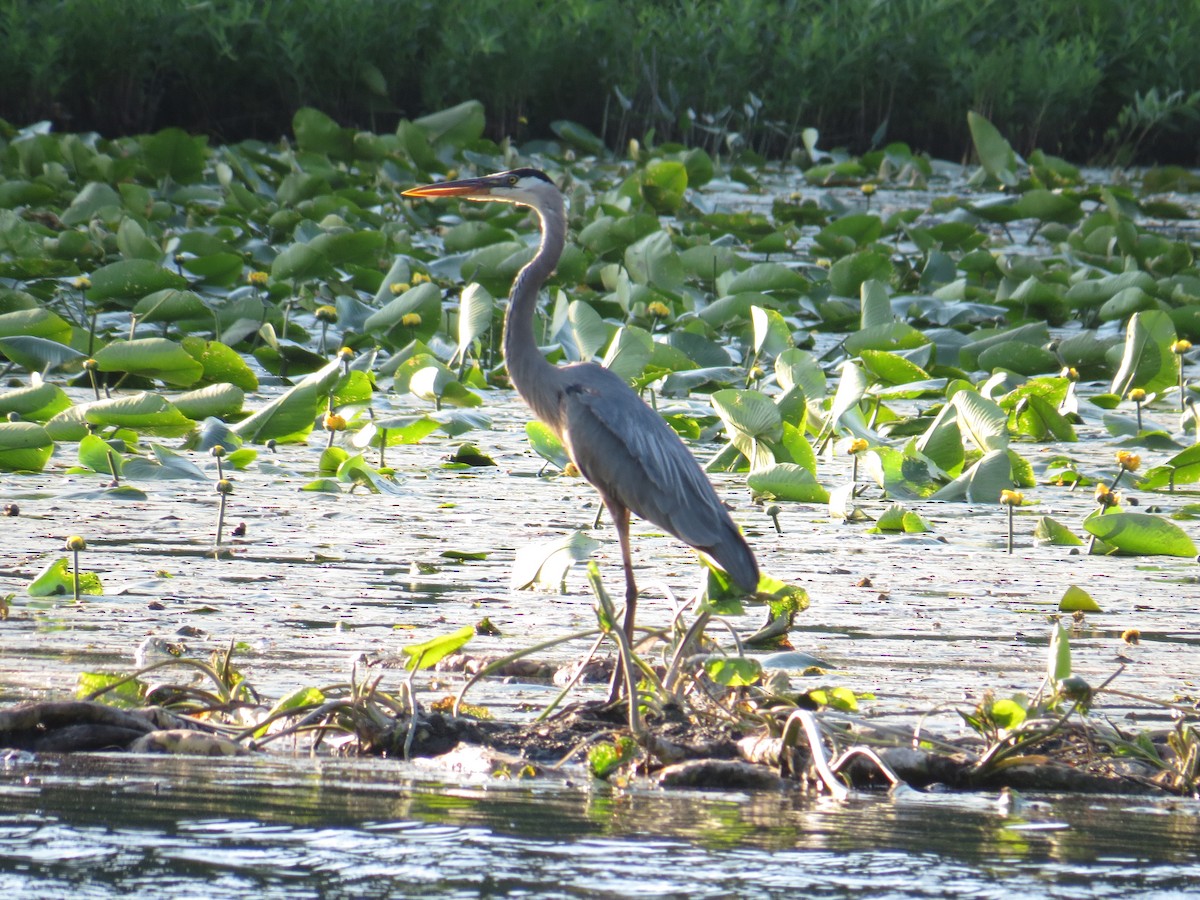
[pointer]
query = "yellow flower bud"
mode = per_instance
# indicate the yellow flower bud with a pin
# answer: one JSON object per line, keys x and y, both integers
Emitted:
{"x": 82, "y": 283}
{"x": 410, "y": 320}
{"x": 76, "y": 543}
{"x": 658, "y": 309}
{"x": 224, "y": 486}
{"x": 258, "y": 279}
{"x": 399, "y": 287}
{"x": 858, "y": 445}
{"x": 334, "y": 422}
{"x": 1181, "y": 346}
{"x": 1137, "y": 395}
{"x": 326, "y": 314}
{"x": 1011, "y": 498}
{"x": 869, "y": 189}
{"x": 1128, "y": 461}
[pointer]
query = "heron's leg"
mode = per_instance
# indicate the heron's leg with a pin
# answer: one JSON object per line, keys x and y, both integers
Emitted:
{"x": 620, "y": 517}
{"x": 621, "y": 520}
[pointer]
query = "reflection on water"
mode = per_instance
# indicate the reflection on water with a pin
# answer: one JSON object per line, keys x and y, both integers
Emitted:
{"x": 102, "y": 826}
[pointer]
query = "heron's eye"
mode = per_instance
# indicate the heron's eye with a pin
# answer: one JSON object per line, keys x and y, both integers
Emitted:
{"x": 512, "y": 179}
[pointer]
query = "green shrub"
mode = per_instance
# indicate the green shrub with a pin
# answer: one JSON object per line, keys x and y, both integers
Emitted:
{"x": 1088, "y": 79}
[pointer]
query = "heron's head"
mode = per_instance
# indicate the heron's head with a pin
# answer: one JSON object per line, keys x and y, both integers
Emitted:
{"x": 529, "y": 187}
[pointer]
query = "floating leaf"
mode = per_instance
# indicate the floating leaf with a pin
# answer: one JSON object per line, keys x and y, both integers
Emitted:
{"x": 1049, "y": 531}
{"x": 37, "y": 402}
{"x": 152, "y": 358}
{"x": 175, "y": 154}
{"x": 1182, "y": 468}
{"x": 983, "y": 482}
{"x": 995, "y": 153}
{"x": 57, "y": 578}
{"x": 427, "y": 654}
{"x": 289, "y": 417}
{"x": 1076, "y": 599}
{"x": 733, "y": 671}
{"x": 840, "y": 698}
{"x": 145, "y": 412}
{"x": 132, "y": 279}
{"x": 475, "y": 309}
{"x": 1141, "y": 534}
{"x": 171, "y": 305}
{"x": 300, "y": 698}
{"x": 891, "y": 367}
{"x": 548, "y": 562}
{"x": 24, "y": 447}
{"x": 982, "y": 420}
{"x": 772, "y": 335}
{"x": 663, "y": 184}
{"x": 545, "y": 443}
{"x": 119, "y": 690}
{"x": 100, "y": 456}
{"x": 752, "y": 421}
{"x": 630, "y": 350}
{"x": 1148, "y": 362}
{"x": 41, "y": 354}
{"x": 899, "y": 519}
{"x": 1058, "y": 660}
{"x": 788, "y": 482}
{"x": 216, "y": 400}
{"x": 39, "y": 323}
{"x": 220, "y": 363}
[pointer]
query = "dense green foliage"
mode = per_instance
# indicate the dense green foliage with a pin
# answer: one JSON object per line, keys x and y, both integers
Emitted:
{"x": 1089, "y": 79}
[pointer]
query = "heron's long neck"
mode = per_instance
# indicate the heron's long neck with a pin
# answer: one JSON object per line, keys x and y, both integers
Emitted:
{"x": 527, "y": 368}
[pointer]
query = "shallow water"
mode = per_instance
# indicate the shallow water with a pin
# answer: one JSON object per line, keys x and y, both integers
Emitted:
{"x": 922, "y": 622}
{"x": 105, "y": 826}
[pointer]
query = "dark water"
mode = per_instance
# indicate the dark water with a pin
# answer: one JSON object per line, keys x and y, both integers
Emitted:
{"x": 105, "y": 826}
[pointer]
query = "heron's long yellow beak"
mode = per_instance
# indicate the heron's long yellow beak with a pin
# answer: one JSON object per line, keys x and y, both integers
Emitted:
{"x": 450, "y": 188}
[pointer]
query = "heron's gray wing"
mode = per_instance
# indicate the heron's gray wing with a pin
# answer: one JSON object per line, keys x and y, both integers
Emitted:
{"x": 632, "y": 456}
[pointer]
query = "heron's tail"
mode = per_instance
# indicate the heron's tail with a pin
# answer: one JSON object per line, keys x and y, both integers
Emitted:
{"x": 735, "y": 557}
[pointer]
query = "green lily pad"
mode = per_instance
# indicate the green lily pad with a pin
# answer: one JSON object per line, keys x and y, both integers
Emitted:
{"x": 787, "y": 481}
{"x": 24, "y": 447}
{"x": 152, "y": 358}
{"x": 58, "y": 578}
{"x": 1076, "y": 599}
{"x": 1141, "y": 534}
{"x": 144, "y": 412}
{"x": 132, "y": 279}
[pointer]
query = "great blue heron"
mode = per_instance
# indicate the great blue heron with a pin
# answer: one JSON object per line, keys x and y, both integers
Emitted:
{"x": 620, "y": 445}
